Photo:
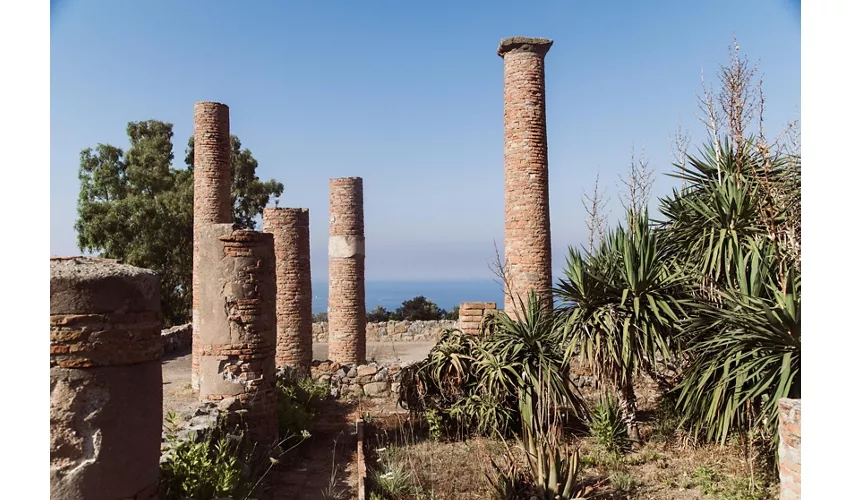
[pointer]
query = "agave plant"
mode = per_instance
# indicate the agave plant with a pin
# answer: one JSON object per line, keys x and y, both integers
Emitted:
{"x": 746, "y": 353}
{"x": 625, "y": 302}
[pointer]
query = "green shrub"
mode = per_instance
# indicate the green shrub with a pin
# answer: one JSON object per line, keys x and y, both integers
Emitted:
{"x": 214, "y": 466}
{"x": 321, "y": 317}
{"x": 607, "y": 427}
{"x": 298, "y": 400}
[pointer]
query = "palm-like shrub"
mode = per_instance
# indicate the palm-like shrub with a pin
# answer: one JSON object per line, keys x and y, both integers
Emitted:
{"x": 746, "y": 353}
{"x": 733, "y": 226}
{"x": 474, "y": 381}
{"x": 624, "y": 305}
{"x": 527, "y": 354}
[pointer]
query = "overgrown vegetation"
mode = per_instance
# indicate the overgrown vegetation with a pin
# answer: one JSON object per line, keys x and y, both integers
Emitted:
{"x": 298, "y": 401}
{"x": 219, "y": 463}
{"x": 705, "y": 302}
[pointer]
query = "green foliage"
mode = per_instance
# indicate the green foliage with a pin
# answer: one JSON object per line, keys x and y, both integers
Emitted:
{"x": 548, "y": 472}
{"x": 733, "y": 225}
{"x": 378, "y": 315}
{"x": 298, "y": 401}
{"x": 624, "y": 305}
{"x": 745, "y": 357}
{"x": 474, "y": 382}
{"x": 725, "y": 487}
{"x": 138, "y": 208}
{"x": 213, "y": 466}
{"x": 452, "y": 315}
{"x": 391, "y": 480}
{"x": 435, "y": 423}
{"x": 418, "y": 308}
{"x": 607, "y": 427}
{"x": 321, "y": 317}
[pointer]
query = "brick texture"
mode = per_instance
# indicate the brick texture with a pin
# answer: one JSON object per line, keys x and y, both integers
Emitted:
{"x": 528, "y": 247}
{"x": 291, "y": 230}
{"x": 472, "y": 314}
{"x": 347, "y": 286}
{"x": 236, "y": 303}
{"x": 212, "y": 189}
{"x": 105, "y": 380}
{"x": 789, "y": 449}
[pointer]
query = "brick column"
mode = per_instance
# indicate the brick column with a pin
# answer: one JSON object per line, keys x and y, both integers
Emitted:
{"x": 105, "y": 380}
{"x": 471, "y": 315}
{"x": 236, "y": 306}
{"x": 528, "y": 246}
{"x": 346, "y": 269}
{"x": 789, "y": 449}
{"x": 212, "y": 191}
{"x": 291, "y": 230}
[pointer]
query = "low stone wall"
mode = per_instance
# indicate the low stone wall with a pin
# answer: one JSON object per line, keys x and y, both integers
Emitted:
{"x": 177, "y": 338}
{"x": 379, "y": 380}
{"x": 394, "y": 331}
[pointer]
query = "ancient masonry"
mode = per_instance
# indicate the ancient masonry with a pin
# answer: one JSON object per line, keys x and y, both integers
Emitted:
{"x": 472, "y": 314}
{"x": 212, "y": 192}
{"x": 105, "y": 380}
{"x": 528, "y": 248}
{"x": 789, "y": 449}
{"x": 346, "y": 270}
{"x": 236, "y": 310}
{"x": 291, "y": 230}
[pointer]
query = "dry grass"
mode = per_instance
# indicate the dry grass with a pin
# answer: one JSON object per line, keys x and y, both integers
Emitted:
{"x": 663, "y": 466}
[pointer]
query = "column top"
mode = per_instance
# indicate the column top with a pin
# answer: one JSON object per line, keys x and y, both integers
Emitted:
{"x": 524, "y": 44}
{"x": 211, "y": 103}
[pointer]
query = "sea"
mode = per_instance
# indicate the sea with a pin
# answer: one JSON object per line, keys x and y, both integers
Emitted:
{"x": 446, "y": 294}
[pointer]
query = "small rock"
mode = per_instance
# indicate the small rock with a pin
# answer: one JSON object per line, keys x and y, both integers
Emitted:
{"x": 340, "y": 373}
{"x": 325, "y": 378}
{"x": 352, "y": 373}
{"x": 362, "y": 370}
{"x": 375, "y": 388}
{"x": 395, "y": 386}
{"x": 381, "y": 376}
{"x": 334, "y": 392}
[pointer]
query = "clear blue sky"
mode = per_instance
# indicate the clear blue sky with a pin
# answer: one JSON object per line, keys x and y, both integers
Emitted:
{"x": 407, "y": 95}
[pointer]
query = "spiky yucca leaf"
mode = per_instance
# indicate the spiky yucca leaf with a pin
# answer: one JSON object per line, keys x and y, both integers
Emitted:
{"x": 746, "y": 355}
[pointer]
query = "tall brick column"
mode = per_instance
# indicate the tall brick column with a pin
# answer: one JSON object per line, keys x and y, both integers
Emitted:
{"x": 347, "y": 286}
{"x": 212, "y": 191}
{"x": 789, "y": 449}
{"x": 105, "y": 380}
{"x": 528, "y": 242}
{"x": 291, "y": 230}
{"x": 236, "y": 306}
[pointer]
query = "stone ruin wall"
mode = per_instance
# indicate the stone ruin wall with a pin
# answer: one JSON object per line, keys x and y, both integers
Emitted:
{"x": 211, "y": 191}
{"x": 377, "y": 380}
{"x": 291, "y": 230}
{"x": 789, "y": 449}
{"x": 394, "y": 331}
{"x": 105, "y": 380}
{"x": 346, "y": 272}
{"x": 236, "y": 307}
{"x": 528, "y": 242}
{"x": 472, "y": 314}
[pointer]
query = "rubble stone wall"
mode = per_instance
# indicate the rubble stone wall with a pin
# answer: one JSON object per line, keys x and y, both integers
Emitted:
{"x": 394, "y": 331}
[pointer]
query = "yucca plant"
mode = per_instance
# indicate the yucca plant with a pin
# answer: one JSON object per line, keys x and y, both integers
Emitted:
{"x": 746, "y": 354}
{"x": 624, "y": 304}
